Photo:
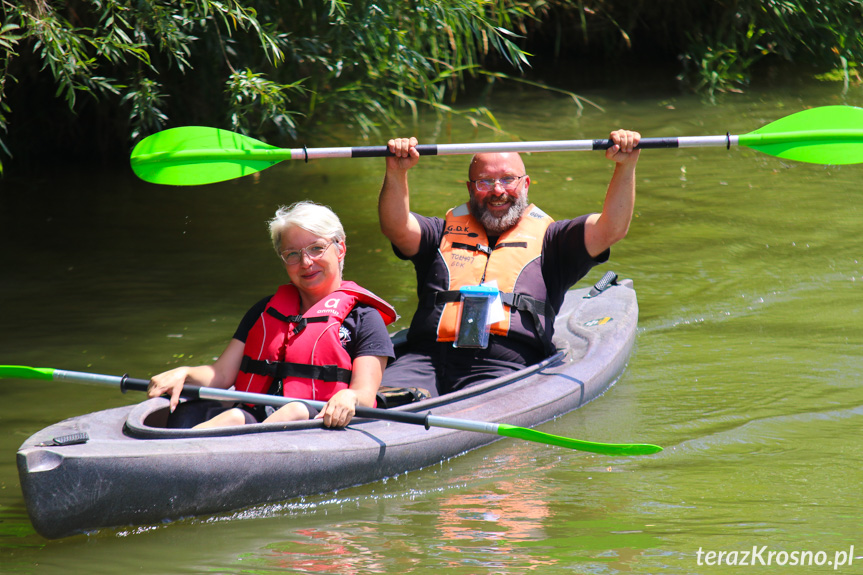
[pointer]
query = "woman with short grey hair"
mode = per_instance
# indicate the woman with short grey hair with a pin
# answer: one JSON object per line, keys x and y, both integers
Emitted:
{"x": 318, "y": 337}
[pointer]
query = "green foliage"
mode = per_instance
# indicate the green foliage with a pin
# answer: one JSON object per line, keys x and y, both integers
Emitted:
{"x": 255, "y": 100}
{"x": 725, "y": 46}
{"x": 280, "y": 69}
{"x": 272, "y": 69}
{"x": 8, "y": 38}
{"x": 719, "y": 42}
{"x": 721, "y": 60}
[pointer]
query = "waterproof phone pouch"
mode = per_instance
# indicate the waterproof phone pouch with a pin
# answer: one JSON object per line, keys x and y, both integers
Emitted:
{"x": 473, "y": 325}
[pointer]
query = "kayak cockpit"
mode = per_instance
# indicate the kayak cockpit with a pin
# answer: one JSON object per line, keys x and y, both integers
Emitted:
{"x": 148, "y": 420}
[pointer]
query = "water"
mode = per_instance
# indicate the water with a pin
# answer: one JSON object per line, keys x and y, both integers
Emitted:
{"x": 746, "y": 367}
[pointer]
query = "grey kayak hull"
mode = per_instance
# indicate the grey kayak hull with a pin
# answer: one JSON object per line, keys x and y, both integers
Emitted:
{"x": 132, "y": 471}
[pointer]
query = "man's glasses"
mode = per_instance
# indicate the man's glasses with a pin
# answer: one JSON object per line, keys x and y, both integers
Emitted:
{"x": 488, "y": 184}
{"x": 314, "y": 251}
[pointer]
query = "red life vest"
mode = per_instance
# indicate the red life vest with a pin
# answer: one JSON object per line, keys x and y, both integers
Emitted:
{"x": 303, "y": 352}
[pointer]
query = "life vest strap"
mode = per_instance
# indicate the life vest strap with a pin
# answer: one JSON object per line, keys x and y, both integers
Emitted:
{"x": 299, "y": 320}
{"x": 279, "y": 370}
{"x": 519, "y": 301}
{"x": 536, "y": 308}
{"x": 522, "y": 302}
{"x": 486, "y": 249}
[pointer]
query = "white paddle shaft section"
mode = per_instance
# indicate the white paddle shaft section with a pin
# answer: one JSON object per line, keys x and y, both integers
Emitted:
{"x": 707, "y": 141}
{"x": 503, "y": 147}
{"x": 82, "y": 377}
{"x": 203, "y": 392}
{"x": 463, "y": 424}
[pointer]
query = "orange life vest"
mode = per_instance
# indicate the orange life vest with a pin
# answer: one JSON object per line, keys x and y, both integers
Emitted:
{"x": 468, "y": 260}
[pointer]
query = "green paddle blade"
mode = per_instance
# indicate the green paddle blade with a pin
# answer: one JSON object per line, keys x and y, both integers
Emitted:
{"x": 196, "y": 155}
{"x": 825, "y": 135}
{"x": 25, "y": 372}
{"x": 602, "y": 448}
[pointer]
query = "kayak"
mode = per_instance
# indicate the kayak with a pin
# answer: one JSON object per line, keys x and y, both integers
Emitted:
{"x": 128, "y": 469}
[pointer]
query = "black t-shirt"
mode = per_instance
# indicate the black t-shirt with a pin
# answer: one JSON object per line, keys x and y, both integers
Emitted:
{"x": 563, "y": 262}
{"x": 362, "y": 333}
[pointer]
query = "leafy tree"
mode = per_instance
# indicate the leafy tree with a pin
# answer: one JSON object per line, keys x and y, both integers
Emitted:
{"x": 720, "y": 43}
{"x": 272, "y": 68}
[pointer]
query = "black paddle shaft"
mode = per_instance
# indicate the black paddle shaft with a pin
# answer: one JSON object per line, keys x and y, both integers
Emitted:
{"x": 198, "y": 392}
{"x": 643, "y": 144}
{"x": 384, "y": 151}
{"x": 127, "y": 383}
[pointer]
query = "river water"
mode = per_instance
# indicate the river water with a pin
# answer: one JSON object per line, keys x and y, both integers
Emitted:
{"x": 747, "y": 363}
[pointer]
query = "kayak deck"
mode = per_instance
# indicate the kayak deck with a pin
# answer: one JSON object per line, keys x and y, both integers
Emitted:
{"x": 134, "y": 471}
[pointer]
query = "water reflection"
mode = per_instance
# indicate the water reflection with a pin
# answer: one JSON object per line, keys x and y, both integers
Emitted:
{"x": 492, "y": 523}
{"x": 320, "y": 551}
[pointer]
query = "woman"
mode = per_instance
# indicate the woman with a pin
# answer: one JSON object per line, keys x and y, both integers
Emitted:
{"x": 315, "y": 338}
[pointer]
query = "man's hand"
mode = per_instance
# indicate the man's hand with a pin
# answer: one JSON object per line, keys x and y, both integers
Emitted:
{"x": 406, "y": 154}
{"x": 623, "y": 151}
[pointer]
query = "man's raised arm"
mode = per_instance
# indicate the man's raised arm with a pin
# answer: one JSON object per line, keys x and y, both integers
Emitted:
{"x": 607, "y": 228}
{"x": 394, "y": 210}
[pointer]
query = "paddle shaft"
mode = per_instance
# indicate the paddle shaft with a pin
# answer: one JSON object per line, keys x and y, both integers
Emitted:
{"x": 196, "y": 155}
{"x": 279, "y": 154}
{"x": 501, "y": 147}
{"x": 197, "y": 392}
{"x": 427, "y": 420}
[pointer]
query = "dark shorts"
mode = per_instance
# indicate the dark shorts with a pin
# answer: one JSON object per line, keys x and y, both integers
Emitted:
{"x": 443, "y": 369}
{"x": 190, "y": 413}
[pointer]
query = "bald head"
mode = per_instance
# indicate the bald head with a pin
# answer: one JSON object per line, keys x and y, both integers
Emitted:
{"x": 489, "y": 164}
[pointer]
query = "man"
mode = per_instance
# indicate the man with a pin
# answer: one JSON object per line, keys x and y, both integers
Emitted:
{"x": 496, "y": 238}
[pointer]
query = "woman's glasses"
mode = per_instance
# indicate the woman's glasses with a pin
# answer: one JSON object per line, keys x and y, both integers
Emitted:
{"x": 314, "y": 251}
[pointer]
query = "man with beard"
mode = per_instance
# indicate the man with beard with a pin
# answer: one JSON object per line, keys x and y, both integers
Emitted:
{"x": 500, "y": 240}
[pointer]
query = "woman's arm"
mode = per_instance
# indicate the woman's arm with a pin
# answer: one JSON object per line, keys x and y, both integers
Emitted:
{"x": 220, "y": 374}
{"x": 366, "y": 373}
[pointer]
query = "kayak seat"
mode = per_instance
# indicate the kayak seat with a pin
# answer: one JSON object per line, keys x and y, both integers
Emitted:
{"x": 395, "y": 396}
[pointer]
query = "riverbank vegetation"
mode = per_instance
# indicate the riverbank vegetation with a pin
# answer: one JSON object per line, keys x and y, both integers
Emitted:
{"x": 86, "y": 79}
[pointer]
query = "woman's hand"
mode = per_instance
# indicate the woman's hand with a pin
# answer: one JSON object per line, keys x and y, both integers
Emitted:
{"x": 171, "y": 383}
{"x": 340, "y": 409}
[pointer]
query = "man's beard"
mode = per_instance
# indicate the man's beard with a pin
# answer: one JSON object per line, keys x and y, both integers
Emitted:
{"x": 494, "y": 224}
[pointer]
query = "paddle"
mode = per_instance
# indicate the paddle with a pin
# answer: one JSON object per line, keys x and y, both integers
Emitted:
{"x": 198, "y": 155}
{"x": 425, "y": 419}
